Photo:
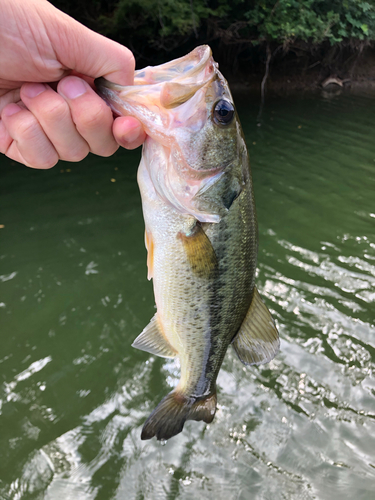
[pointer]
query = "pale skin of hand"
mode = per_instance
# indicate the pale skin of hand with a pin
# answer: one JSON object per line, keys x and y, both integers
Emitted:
{"x": 41, "y": 123}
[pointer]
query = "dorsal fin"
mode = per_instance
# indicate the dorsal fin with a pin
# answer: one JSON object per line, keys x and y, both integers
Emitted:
{"x": 152, "y": 340}
{"x": 257, "y": 341}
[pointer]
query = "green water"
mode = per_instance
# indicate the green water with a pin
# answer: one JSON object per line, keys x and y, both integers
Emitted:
{"x": 74, "y": 295}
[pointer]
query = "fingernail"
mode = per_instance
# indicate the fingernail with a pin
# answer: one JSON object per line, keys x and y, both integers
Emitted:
{"x": 31, "y": 90}
{"x": 72, "y": 87}
{"x": 10, "y": 109}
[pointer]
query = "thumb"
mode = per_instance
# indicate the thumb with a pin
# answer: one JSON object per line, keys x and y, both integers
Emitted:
{"x": 80, "y": 49}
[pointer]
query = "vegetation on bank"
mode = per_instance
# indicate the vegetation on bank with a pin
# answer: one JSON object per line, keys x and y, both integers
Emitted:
{"x": 242, "y": 32}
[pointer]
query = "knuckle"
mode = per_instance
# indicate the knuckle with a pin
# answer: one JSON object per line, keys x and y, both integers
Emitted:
{"x": 55, "y": 109}
{"x": 28, "y": 127}
{"x": 77, "y": 154}
{"x": 92, "y": 119}
{"x": 44, "y": 163}
{"x": 49, "y": 164}
{"x": 108, "y": 150}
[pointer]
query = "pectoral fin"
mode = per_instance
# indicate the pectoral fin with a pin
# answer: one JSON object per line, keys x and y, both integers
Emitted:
{"x": 199, "y": 251}
{"x": 257, "y": 341}
{"x": 152, "y": 340}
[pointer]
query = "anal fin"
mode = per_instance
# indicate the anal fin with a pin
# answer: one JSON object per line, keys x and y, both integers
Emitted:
{"x": 152, "y": 340}
{"x": 257, "y": 341}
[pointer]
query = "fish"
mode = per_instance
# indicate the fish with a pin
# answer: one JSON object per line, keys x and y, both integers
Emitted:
{"x": 201, "y": 232}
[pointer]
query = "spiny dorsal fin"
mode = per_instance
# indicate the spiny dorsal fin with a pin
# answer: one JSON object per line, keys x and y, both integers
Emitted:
{"x": 257, "y": 341}
{"x": 152, "y": 340}
{"x": 199, "y": 251}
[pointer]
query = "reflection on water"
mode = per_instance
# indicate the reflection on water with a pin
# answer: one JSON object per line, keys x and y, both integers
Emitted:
{"x": 74, "y": 294}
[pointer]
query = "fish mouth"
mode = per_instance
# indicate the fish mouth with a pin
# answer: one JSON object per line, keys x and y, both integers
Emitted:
{"x": 175, "y": 82}
{"x": 104, "y": 89}
{"x": 101, "y": 88}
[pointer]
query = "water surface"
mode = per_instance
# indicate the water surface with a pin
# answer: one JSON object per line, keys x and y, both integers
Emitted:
{"x": 73, "y": 296}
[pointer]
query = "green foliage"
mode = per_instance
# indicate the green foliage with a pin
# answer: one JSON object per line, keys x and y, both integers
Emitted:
{"x": 148, "y": 26}
{"x": 167, "y": 17}
{"x": 313, "y": 21}
{"x": 163, "y": 22}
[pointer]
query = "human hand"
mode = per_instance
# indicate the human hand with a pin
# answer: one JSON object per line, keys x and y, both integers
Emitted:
{"x": 42, "y": 123}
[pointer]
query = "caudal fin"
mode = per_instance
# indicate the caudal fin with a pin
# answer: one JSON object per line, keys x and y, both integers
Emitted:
{"x": 170, "y": 415}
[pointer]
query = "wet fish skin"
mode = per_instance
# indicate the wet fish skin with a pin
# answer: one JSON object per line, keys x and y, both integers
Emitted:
{"x": 201, "y": 232}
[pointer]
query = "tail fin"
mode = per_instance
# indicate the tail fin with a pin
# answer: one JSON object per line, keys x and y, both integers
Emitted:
{"x": 170, "y": 415}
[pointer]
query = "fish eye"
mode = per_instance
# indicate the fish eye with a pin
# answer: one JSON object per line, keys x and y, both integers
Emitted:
{"x": 223, "y": 112}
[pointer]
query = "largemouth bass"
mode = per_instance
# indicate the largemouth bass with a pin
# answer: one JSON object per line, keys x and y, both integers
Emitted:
{"x": 201, "y": 232}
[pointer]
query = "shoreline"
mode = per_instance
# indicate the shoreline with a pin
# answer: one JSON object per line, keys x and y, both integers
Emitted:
{"x": 282, "y": 87}
{"x": 285, "y": 77}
